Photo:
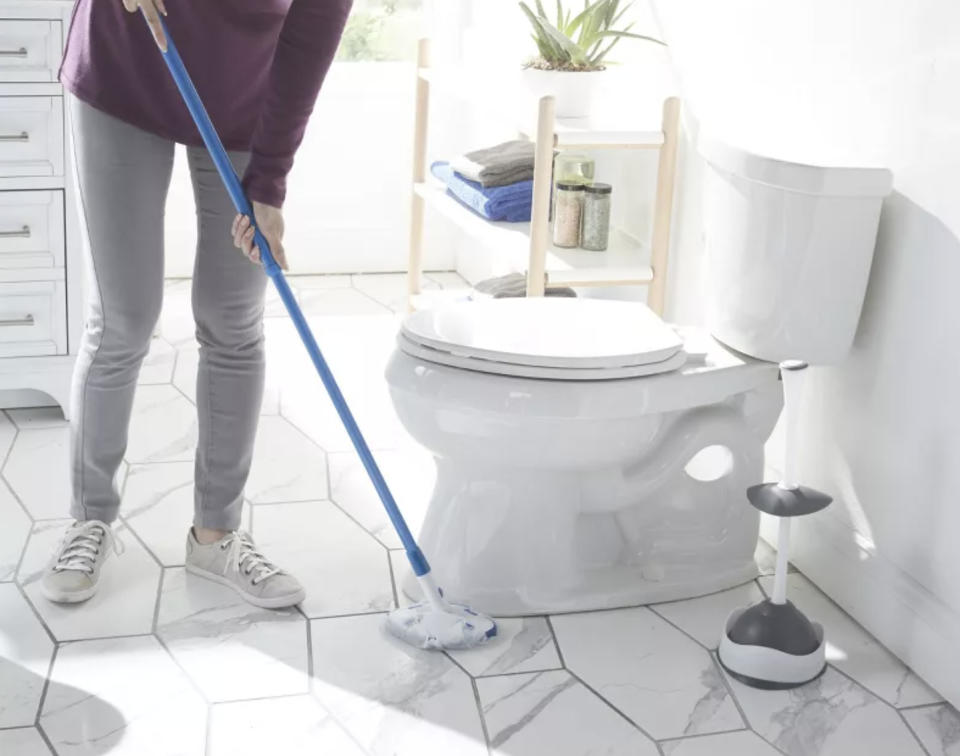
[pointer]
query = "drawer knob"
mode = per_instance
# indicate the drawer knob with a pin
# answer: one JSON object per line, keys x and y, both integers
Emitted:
{"x": 24, "y": 321}
{"x": 21, "y": 53}
{"x": 21, "y": 233}
{"x": 23, "y": 136}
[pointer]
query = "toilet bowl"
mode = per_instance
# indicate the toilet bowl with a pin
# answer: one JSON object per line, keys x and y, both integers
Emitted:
{"x": 591, "y": 456}
{"x": 601, "y": 469}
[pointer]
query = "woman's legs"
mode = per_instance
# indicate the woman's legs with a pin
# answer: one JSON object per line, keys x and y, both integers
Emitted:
{"x": 123, "y": 177}
{"x": 228, "y": 292}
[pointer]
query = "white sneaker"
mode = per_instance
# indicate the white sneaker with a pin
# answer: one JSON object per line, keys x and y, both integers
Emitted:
{"x": 73, "y": 574}
{"x": 234, "y": 561}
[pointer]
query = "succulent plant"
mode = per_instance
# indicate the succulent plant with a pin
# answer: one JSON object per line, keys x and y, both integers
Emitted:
{"x": 578, "y": 42}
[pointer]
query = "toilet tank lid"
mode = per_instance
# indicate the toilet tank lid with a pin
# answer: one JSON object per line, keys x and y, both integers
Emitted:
{"x": 826, "y": 180}
{"x": 547, "y": 332}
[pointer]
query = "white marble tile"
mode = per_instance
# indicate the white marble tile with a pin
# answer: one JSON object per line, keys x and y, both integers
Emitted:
{"x": 296, "y": 726}
{"x": 320, "y": 283}
{"x": 157, "y": 366}
{"x": 35, "y": 418}
{"x": 343, "y": 570}
{"x": 158, "y": 504}
{"x": 743, "y": 743}
{"x": 766, "y": 557}
{"x": 8, "y": 430}
{"x": 548, "y": 713}
{"x": 124, "y": 603}
{"x": 163, "y": 427}
{"x": 447, "y": 279}
{"x": 522, "y": 644}
{"x": 831, "y": 716}
{"x": 23, "y": 741}
{"x": 230, "y": 649}
{"x": 705, "y": 617}
{"x": 176, "y": 325}
{"x": 13, "y": 534}
{"x": 389, "y": 289}
{"x": 287, "y": 466}
{"x": 393, "y": 699}
{"x": 122, "y": 696}
{"x": 38, "y": 471}
{"x": 937, "y": 727}
{"x": 25, "y": 651}
{"x": 410, "y": 474}
{"x": 854, "y": 651}
{"x": 649, "y": 670}
{"x": 338, "y": 302}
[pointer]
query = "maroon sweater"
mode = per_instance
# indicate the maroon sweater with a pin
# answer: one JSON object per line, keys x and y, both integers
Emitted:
{"x": 257, "y": 64}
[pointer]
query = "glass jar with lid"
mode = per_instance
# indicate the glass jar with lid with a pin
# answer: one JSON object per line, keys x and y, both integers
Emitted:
{"x": 567, "y": 217}
{"x": 595, "y": 223}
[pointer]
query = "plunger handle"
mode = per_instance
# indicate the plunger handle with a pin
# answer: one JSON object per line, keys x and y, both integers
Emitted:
{"x": 793, "y": 374}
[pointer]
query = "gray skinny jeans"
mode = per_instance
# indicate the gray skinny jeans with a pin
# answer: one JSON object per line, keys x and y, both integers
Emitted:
{"x": 124, "y": 174}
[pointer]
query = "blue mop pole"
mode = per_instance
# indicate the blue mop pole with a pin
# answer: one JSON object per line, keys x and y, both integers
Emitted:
{"x": 226, "y": 170}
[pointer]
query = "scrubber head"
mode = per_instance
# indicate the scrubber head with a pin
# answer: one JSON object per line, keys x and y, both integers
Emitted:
{"x": 450, "y": 626}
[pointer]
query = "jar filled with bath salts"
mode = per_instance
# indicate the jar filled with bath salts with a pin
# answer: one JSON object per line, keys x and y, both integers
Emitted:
{"x": 566, "y": 219}
{"x": 570, "y": 168}
{"x": 595, "y": 228}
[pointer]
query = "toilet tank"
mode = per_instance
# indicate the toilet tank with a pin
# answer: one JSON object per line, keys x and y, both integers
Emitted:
{"x": 788, "y": 250}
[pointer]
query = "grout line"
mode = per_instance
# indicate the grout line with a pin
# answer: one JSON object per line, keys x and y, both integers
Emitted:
{"x": 138, "y": 539}
{"x": 156, "y": 604}
{"x": 183, "y": 671}
{"x": 517, "y": 673}
{"x": 556, "y": 641}
{"x": 483, "y": 719}
{"x": 914, "y": 733}
{"x": 715, "y": 660}
{"x": 124, "y": 636}
{"x": 345, "y": 616}
{"x": 206, "y": 730}
{"x": 46, "y": 686}
{"x": 923, "y": 706}
{"x": 46, "y": 738}
{"x": 309, "y": 627}
{"x": 614, "y": 708}
{"x": 679, "y": 629}
{"x": 36, "y": 613}
{"x": 393, "y": 582}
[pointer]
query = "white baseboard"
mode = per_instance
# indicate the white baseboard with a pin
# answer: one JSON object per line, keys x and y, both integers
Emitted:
{"x": 903, "y": 615}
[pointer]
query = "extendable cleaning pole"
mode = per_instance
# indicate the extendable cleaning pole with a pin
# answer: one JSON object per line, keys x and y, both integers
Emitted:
{"x": 437, "y": 623}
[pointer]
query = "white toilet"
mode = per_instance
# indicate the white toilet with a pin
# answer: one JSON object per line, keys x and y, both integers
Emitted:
{"x": 591, "y": 456}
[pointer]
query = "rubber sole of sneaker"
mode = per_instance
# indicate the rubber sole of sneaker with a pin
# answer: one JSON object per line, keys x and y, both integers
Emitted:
{"x": 277, "y": 602}
{"x": 72, "y": 597}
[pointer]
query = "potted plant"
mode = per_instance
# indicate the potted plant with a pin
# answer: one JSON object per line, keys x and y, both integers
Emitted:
{"x": 572, "y": 49}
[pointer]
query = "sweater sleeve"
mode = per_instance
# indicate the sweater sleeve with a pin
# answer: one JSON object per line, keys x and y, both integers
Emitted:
{"x": 307, "y": 44}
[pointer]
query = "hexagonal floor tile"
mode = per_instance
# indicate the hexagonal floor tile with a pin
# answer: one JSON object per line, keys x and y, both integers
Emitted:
{"x": 38, "y": 471}
{"x": 338, "y": 302}
{"x": 343, "y": 570}
{"x": 163, "y": 427}
{"x": 410, "y": 474}
{"x": 547, "y": 713}
{"x": 389, "y": 289}
{"x": 447, "y": 279}
{"x": 649, "y": 670}
{"x": 855, "y": 652}
{"x": 158, "y": 505}
{"x": 13, "y": 534}
{"x": 392, "y": 698}
{"x": 25, "y": 651}
{"x": 287, "y": 466}
{"x": 704, "y": 618}
{"x": 122, "y": 695}
{"x": 937, "y": 727}
{"x": 744, "y": 743}
{"x": 157, "y": 366}
{"x": 232, "y": 650}
{"x": 522, "y": 644}
{"x": 123, "y": 605}
{"x": 832, "y": 716}
{"x": 296, "y": 726}
{"x": 23, "y": 741}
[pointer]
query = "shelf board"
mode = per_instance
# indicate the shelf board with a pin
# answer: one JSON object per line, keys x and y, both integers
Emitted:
{"x": 622, "y": 264}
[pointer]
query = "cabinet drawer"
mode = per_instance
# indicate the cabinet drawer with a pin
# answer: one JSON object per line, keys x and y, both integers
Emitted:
{"x": 33, "y": 318}
{"x": 30, "y": 50}
{"x": 31, "y": 229}
{"x": 31, "y": 136}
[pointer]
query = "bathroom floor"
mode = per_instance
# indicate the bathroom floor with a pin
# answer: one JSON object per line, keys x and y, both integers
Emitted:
{"x": 162, "y": 664}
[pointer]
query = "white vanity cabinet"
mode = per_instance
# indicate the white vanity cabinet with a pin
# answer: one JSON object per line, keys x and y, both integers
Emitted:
{"x": 40, "y": 233}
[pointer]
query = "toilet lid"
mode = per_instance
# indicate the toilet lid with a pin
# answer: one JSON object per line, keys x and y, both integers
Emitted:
{"x": 540, "y": 332}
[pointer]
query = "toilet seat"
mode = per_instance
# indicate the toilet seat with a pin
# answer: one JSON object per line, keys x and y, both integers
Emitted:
{"x": 548, "y": 338}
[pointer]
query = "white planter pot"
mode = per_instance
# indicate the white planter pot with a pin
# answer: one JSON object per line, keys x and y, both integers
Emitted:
{"x": 574, "y": 91}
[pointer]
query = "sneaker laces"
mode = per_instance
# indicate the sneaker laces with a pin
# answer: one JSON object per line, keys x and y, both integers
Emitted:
{"x": 246, "y": 559}
{"x": 83, "y": 543}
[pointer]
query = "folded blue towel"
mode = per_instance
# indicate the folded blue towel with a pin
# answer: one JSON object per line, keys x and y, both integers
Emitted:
{"x": 498, "y": 203}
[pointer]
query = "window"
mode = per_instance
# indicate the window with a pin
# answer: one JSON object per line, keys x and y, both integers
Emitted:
{"x": 381, "y": 30}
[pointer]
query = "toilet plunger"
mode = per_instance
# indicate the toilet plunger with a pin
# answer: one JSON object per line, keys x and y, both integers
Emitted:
{"x": 772, "y": 644}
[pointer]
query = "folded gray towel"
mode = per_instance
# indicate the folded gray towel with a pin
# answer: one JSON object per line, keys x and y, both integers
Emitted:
{"x": 498, "y": 163}
{"x": 515, "y": 285}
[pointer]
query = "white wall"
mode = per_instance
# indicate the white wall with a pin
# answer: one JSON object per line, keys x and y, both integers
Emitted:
{"x": 861, "y": 83}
